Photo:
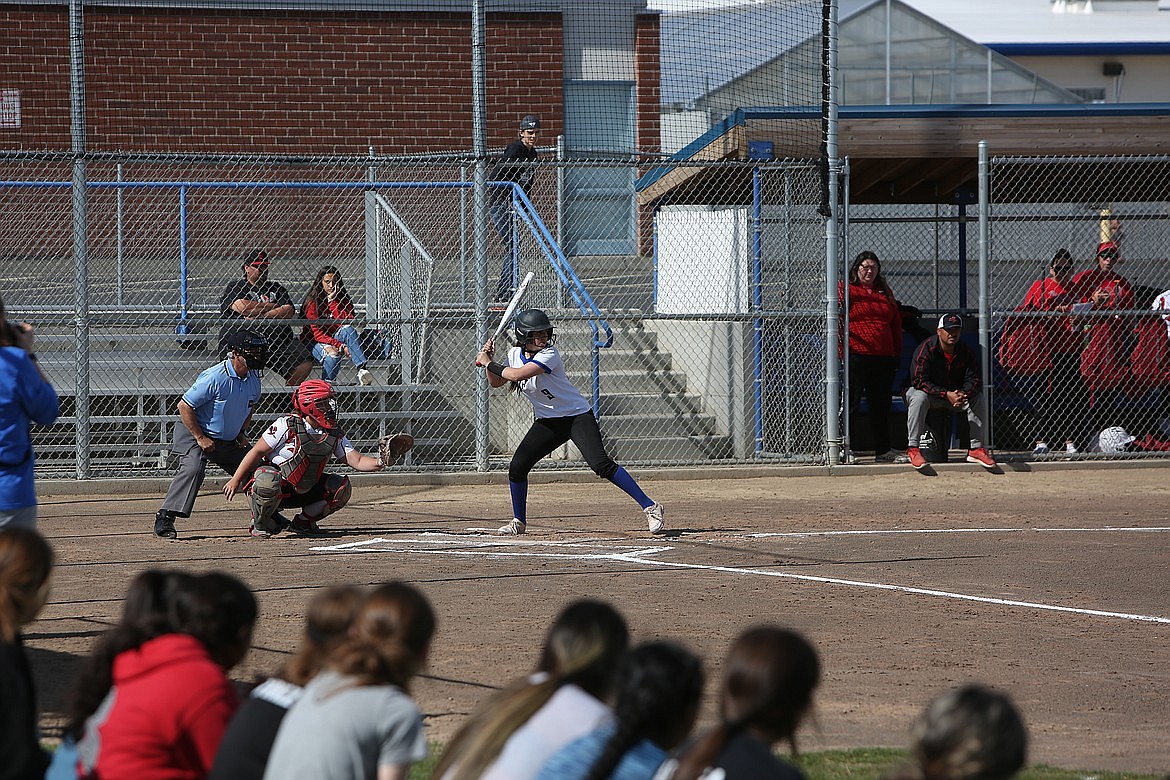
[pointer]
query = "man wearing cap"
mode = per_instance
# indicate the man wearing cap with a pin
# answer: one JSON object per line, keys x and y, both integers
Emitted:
{"x": 944, "y": 374}
{"x": 514, "y": 166}
{"x": 214, "y": 415}
{"x": 262, "y": 303}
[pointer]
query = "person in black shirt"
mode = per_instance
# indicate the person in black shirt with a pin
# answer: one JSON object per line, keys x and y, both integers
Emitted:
{"x": 514, "y": 166}
{"x": 262, "y": 303}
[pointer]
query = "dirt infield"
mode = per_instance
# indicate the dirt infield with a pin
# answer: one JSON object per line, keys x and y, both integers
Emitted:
{"x": 1051, "y": 584}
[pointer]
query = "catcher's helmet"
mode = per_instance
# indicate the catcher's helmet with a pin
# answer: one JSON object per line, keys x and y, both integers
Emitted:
{"x": 251, "y": 345}
{"x": 532, "y": 321}
{"x": 316, "y": 401}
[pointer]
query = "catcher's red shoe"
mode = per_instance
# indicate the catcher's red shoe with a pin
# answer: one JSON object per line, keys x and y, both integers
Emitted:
{"x": 305, "y": 527}
{"x": 914, "y": 455}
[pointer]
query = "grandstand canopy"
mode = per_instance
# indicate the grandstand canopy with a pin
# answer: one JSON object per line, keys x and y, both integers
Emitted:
{"x": 927, "y": 154}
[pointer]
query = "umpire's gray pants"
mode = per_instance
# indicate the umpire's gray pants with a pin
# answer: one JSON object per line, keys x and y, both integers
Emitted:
{"x": 193, "y": 467}
{"x": 919, "y": 403}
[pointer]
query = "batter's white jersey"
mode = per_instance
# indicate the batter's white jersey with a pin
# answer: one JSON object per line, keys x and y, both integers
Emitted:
{"x": 551, "y": 393}
{"x": 283, "y": 443}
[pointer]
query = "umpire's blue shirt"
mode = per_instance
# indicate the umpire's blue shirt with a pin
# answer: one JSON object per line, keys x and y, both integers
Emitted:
{"x": 222, "y": 400}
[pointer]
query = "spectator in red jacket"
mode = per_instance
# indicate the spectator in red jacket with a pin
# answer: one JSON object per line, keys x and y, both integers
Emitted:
{"x": 944, "y": 374}
{"x": 330, "y": 333}
{"x": 875, "y": 344}
{"x": 170, "y": 700}
{"x": 1105, "y": 359}
{"x": 1048, "y": 370}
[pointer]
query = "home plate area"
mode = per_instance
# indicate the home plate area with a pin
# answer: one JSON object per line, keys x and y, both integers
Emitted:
{"x": 477, "y": 543}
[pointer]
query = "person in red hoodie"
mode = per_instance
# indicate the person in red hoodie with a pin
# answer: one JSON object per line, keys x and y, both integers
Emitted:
{"x": 875, "y": 345}
{"x": 333, "y": 336}
{"x": 170, "y": 700}
{"x": 1052, "y": 378}
{"x": 1105, "y": 359}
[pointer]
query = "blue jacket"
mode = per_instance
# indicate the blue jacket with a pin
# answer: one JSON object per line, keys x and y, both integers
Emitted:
{"x": 24, "y": 397}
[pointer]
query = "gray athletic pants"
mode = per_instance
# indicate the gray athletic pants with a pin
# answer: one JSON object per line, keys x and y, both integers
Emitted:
{"x": 193, "y": 467}
{"x": 919, "y": 403}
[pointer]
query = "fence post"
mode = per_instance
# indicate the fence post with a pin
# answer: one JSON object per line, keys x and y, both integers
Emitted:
{"x": 985, "y": 298}
{"x": 80, "y": 240}
{"x": 479, "y": 145}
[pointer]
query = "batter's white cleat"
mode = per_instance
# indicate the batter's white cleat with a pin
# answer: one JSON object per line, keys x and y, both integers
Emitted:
{"x": 654, "y": 518}
{"x": 514, "y": 528}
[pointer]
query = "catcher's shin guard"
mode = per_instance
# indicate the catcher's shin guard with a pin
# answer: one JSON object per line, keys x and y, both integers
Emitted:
{"x": 265, "y": 497}
{"x": 337, "y": 493}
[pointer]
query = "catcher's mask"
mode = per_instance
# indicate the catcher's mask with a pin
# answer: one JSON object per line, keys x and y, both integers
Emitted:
{"x": 252, "y": 346}
{"x": 316, "y": 401}
{"x": 532, "y": 321}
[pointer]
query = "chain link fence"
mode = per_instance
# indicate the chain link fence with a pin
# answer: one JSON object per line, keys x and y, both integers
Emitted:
{"x": 710, "y": 349}
{"x": 1078, "y": 265}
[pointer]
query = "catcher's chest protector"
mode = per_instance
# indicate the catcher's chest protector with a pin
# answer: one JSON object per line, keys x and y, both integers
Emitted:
{"x": 311, "y": 455}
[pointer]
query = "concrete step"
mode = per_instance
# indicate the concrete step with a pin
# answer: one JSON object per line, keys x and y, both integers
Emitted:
{"x": 614, "y": 359}
{"x": 616, "y": 404}
{"x": 669, "y": 448}
{"x": 661, "y": 424}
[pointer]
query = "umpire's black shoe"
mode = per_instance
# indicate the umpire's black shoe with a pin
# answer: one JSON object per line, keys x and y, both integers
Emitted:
{"x": 164, "y": 525}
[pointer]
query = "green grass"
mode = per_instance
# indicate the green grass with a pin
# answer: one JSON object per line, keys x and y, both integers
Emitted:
{"x": 873, "y": 763}
{"x": 861, "y": 764}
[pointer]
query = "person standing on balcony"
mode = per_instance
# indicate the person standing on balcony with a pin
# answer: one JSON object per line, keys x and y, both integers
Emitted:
{"x": 514, "y": 166}
{"x": 25, "y": 396}
{"x": 259, "y": 304}
{"x": 333, "y": 336}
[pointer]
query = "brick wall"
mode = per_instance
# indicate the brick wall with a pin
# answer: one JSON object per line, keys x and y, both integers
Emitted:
{"x": 192, "y": 80}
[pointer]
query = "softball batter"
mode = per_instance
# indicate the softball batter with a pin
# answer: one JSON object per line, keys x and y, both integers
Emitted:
{"x": 561, "y": 414}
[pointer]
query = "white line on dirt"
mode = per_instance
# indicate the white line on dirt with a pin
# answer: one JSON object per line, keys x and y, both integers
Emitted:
{"x": 636, "y": 554}
{"x": 1149, "y": 529}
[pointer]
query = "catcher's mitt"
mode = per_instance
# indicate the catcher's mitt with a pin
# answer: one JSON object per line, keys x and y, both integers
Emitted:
{"x": 392, "y": 448}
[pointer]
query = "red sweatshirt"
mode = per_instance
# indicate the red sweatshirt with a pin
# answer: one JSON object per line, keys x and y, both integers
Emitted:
{"x": 875, "y": 324}
{"x": 322, "y": 332}
{"x": 164, "y": 716}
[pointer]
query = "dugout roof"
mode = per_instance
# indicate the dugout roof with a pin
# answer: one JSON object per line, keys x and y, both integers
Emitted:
{"x": 929, "y": 153}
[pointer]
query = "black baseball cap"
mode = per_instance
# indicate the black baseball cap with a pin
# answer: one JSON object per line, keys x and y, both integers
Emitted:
{"x": 949, "y": 321}
{"x": 530, "y": 122}
{"x": 258, "y": 258}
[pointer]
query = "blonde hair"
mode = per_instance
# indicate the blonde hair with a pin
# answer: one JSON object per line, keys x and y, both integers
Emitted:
{"x": 583, "y": 647}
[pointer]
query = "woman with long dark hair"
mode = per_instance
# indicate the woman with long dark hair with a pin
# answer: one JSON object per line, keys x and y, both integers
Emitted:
{"x": 330, "y": 333}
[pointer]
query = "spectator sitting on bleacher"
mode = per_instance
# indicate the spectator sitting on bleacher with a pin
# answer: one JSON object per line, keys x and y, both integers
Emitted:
{"x": 944, "y": 374}
{"x": 262, "y": 303}
{"x": 331, "y": 341}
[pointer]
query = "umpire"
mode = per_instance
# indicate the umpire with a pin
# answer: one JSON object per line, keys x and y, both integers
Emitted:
{"x": 214, "y": 413}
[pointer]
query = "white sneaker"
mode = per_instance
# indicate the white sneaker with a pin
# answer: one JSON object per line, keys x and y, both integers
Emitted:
{"x": 1070, "y": 448}
{"x": 1041, "y": 448}
{"x": 365, "y": 377}
{"x": 654, "y": 518}
{"x": 514, "y": 528}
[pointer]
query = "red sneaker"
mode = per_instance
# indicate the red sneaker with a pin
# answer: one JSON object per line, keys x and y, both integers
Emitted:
{"x": 914, "y": 455}
{"x": 982, "y": 457}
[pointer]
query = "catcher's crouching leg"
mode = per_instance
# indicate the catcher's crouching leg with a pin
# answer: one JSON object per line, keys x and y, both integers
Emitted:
{"x": 336, "y": 494}
{"x": 265, "y": 498}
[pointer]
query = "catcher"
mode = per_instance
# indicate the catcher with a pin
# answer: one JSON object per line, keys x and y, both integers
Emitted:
{"x": 290, "y": 459}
